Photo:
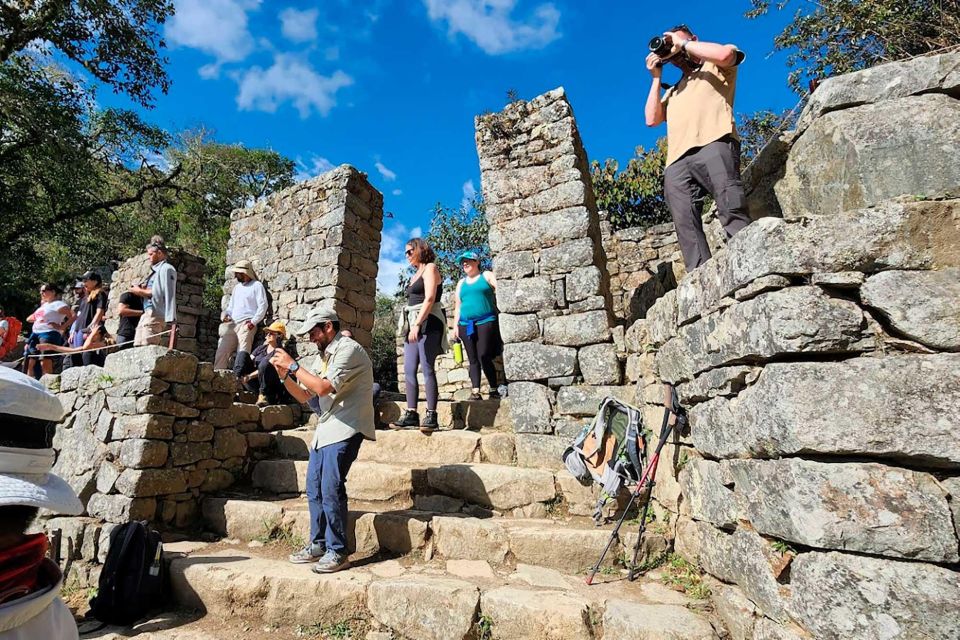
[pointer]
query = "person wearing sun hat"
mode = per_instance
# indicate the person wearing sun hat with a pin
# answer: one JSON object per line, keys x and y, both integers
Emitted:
{"x": 247, "y": 309}
{"x": 257, "y": 374}
{"x": 30, "y": 583}
{"x": 475, "y": 322}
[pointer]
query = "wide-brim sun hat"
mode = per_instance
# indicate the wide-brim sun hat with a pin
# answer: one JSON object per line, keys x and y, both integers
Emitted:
{"x": 468, "y": 255}
{"x": 278, "y": 327}
{"x": 245, "y": 267}
{"x": 26, "y": 411}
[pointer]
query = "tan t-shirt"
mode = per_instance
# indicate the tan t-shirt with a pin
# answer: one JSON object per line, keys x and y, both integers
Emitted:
{"x": 699, "y": 109}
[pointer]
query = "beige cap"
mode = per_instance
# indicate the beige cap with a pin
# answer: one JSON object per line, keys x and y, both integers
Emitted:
{"x": 245, "y": 267}
{"x": 317, "y": 315}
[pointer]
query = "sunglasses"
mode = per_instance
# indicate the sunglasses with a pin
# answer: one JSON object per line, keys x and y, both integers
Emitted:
{"x": 408, "y": 252}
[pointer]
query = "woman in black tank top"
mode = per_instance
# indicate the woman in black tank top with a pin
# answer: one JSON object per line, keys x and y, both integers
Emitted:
{"x": 422, "y": 344}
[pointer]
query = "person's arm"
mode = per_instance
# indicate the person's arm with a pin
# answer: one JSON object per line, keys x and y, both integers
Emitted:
{"x": 68, "y": 318}
{"x": 170, "y": 294}
{"x": 456, "y": 310}
{"x": 260, "y": 294}
{"x": 143, "y": 292}
{"x": 100, "y": 309}
{"x": 655, "y": 111}
{"x": 33, "y": 316}
{"x": 124, "y": 311}
{"x": 431, "y": 277}
{"x": 722, "y": 55}
{"x": 315, "y": 385}
{"x": 490, "y": 278}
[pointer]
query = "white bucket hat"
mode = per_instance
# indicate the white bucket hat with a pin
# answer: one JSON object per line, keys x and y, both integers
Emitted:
{"x": 245, "y": 267}
{"x": 25, "y": 477}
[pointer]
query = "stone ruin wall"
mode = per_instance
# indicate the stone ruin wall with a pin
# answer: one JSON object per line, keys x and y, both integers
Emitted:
{"x": 317, "y": 240}
{"x": 819, "y": 358}
{"x": 146, "y": 437}
{"x": 192, "y": 318}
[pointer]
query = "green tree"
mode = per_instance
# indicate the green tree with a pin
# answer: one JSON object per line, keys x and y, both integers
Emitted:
{"x": 454, "y": 230}
{"x": 831, "y": 37}
{"x": 633, "y": 197}
{"x": 758, "y": 128}
{"x": 383, "y": 347}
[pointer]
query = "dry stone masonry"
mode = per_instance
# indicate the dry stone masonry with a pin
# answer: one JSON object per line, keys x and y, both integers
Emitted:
{"x": 818, "y": 356}
{"x": 317, "y": 240}
{"x": 192, "y": 319}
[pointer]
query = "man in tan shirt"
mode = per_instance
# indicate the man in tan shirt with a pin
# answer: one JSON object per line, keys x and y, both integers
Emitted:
{"x": 703, "y": 149}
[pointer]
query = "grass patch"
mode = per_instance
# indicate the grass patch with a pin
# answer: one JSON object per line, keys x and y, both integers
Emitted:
{"x": 556, "y": 506}
{"x": 683, "y": 576}
{"x": 337, "y": 631}
{"x": 783, "y": 548}
{"x": 485, "y": 628}
{"x": 277, "y": 532}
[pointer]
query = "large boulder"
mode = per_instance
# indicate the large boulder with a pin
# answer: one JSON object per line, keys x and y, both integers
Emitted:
{"x": 861, "y": 156}
{"x": 921, "y": 305}
{"x": 900, "y": 408}
{"x": 871, "y": 598}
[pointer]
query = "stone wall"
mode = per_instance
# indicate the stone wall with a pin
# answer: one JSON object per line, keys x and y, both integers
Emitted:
{"x": 819, "y": 358}
{"x": 643, "y": 263}
{"x": 317, "y": 240}
{"x": 191, "y": 315}
{"x": 146, "y": 437}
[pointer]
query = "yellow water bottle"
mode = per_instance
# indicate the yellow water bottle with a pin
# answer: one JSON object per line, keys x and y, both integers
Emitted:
{"x": 458, "y": 352}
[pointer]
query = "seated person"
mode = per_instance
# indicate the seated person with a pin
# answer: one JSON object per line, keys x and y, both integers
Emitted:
{"x": 257, "y": 374}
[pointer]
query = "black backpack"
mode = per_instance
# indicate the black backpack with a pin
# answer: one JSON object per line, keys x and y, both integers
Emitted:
{"x": 133, "y": 579}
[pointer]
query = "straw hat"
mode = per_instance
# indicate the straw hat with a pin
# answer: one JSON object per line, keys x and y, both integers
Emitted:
{"x": 28, "y": 412}
{"x": 277, "y": 326}
{"x": 245, "y": 267}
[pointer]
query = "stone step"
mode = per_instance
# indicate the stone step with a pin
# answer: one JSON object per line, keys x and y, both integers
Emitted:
{"x": 429, "y": 600}
{"x": 413, "y": 447}
{"x": 570, "y": 545}
{"x": 456, "y": 414}
{"x": 378, "y": 486}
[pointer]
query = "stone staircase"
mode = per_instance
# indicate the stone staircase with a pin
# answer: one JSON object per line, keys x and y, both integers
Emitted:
{"x": 450, "y": 538}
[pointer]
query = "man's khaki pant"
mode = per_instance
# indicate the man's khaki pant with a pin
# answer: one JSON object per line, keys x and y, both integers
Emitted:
{"x": 147, "y": 329}
{"x": 234, "y": 338}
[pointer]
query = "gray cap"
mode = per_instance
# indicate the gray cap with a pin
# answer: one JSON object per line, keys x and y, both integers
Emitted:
{"x": 317, "y": 315}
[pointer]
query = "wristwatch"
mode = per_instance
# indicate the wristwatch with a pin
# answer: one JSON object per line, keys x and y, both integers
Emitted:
{"x": 683, "y": 47}
{"x": 294, "y": 367}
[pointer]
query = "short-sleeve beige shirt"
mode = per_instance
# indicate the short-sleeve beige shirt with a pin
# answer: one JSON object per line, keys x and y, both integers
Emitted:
{"x": 699, "y": 109}
{"x": 349, "y": 409}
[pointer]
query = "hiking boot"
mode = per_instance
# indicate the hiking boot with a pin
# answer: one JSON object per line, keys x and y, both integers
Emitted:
{"x": 310, "y": 553}
{"x": 494, "y": 394}
{"x": 262, "y": 400}
{"x": 430, "y": 423}
{"x": 475, "y": 396}
{"x": 409, "y": 420}
{"x": 331, "y": 562}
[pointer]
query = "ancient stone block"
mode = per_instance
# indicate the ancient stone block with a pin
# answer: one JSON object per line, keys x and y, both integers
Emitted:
{"x": 275, "y": 417}
{"x": 170, "y": 366}
{"x": 576, "y": 329}
{"x": 794, "y": 320}
{"x": 764, "y": 284}
{"x": 633, "y": 621}
{"x": 599, "y": 364}
{"x": 428, "y": 607}
{"x": 907, "y": 403}
{"x": 530, "y": 406}
{"x": 160, "y": 404}
{"x": 921, "y": 305}
{"x": 514, "y": 265}
{"x": 873, "y": 597}
{"x": 526, "y": 295}
{"x": 150, "y": 482}
{"x": 735, "y": 609}
{"x": 469, "y": 539}
{"x": 531, "y": 361}
{"x": 863, "y": 155}
{"x": 585, "y": 400}
{"x": 525, "y": 613}
{"x": 141, "y": 454}
{"x": 518, "y": 327}
{"x": 567, "y": 256}
{"x": 540, "y": 451}
{"x": 583, "y": 283}
{"x": 537, "y": 231}
{"x": 216, "y": 480}
{"x": 865, "y": 507}
{"x": 121, "y": 509}
{"x": 708, "y": 492}
{"x": 229, "y": 443}
{"x": 493, "y": 486}
{"x": 183, "y": 453}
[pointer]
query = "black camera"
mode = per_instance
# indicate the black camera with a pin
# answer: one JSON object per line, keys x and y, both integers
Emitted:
{"x": 661, "y": 45}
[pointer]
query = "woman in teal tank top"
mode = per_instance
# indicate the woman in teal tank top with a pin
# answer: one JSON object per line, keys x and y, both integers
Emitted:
{"x": 475, "y": 322}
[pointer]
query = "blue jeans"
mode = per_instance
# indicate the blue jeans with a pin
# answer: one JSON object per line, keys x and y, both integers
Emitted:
{"x": 327, "y": 492}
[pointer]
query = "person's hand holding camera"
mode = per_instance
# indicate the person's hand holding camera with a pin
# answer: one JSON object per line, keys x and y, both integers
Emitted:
{"x": 655, "y": 65}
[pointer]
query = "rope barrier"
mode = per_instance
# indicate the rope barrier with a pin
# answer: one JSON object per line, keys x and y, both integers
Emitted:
{"x": 55, "y": 354}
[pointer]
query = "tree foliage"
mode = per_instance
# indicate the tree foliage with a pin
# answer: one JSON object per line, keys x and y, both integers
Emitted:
{"x": 831, "y": 37}
{"x": 454, "y": 230}
{"x": 758, "y": 128}
{"x": 634, "y": 196}
{"x": 383, "y": 347}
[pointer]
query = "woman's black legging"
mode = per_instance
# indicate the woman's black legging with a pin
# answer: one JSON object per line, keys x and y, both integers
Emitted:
{"x": 423, "y": 354}
{"x": 482, "y": 347}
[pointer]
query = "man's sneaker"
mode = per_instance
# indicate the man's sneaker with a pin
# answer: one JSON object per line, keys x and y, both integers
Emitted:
{"x": 331, "y": 562}
{"x": 409, "y": 420}
{"x": 430, "y": 423}
{"x": 310, "y": 553}
{"x": 262, "y": 400}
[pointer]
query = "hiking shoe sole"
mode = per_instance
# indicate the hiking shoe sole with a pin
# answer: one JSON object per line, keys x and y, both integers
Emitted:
{"x": 317, "y": 568}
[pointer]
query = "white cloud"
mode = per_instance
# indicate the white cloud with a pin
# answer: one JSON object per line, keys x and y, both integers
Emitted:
{"x": 490, "y": 24}
{"x": 393, "y": 262}
{"x": 289, "y": 79}
{"x": 387, "y": 175}
{"x": 397, "y": 192}
{"x": 313, "y": 168}
{"x": 217, "y": 27}
{"x": 299, "y": 26}
{"x": 469, "y": 193}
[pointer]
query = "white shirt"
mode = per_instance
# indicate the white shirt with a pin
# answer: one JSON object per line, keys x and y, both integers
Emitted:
{"x": 248, "y": 302}
{"x": 38, "y": 615}
{"x": 49, "y": 314}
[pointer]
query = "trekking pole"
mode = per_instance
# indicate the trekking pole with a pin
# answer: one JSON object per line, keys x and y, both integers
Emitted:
{"x": 644, "y": 486}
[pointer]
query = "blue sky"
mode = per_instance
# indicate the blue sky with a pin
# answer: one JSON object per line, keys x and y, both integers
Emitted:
{"x": 392, "y": 86}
